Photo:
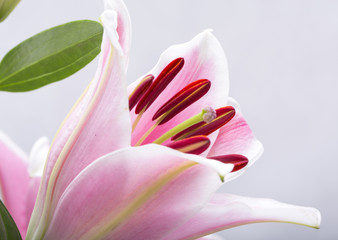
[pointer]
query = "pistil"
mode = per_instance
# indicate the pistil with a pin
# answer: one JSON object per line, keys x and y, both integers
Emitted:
{"x": 186, "y": 124}
{"x": 224, "y": 115}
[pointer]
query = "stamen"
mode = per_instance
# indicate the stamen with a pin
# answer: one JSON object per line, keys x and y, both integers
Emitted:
{"x": 140, "y": 89}
{"x": 159, "y": 84}
{"x": 193, "y": 145}
{"x": 239, "y": 161}
{"x": 137, "y": 119}
{"x": 180, "y": 127}
{"x": 224, "y": 115}
{"x": 183, "y": 99}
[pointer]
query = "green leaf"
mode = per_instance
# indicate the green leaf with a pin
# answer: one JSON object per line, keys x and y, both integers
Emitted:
{"x": 8, "y": 228}
{"x": 50, "y": 56}
{"x": 6, "y": 7}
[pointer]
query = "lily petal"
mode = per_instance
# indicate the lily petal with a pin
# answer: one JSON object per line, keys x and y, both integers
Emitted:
{"x": 204, "y": 58}
{"x": 236, "y": 137}
{"x": 37, "y": 160}
{"x": 14, "y": 181}
{"x": 97, "y": 124}
{"x": 211, "y": 237}
{"x": 34, "y": 184}
{"x": 123, "y": 29}
{"x": 226, "y": 211}
{"x": 134, "y": 193}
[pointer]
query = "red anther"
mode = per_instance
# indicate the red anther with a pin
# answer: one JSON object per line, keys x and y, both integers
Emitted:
{"x": 140, "y": 89}
{"x": 227, "y": 113}
{"x": 183, "y": 99}
{"x": 159, "y": 84}
{"x": 224, "y": 115}
{"x": 223, "y": 110}
{"x": 186, "y": 131}
{"x": 239, "y": 161}
{"x": 193, "y": 145}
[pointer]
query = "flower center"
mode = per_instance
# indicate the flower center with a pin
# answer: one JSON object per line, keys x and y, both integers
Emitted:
{"x": 191, "y": 135}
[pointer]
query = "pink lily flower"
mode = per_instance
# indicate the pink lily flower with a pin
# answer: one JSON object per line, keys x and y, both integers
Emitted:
{"x": 145, "y": 161}
{"x": 20, "y": 177}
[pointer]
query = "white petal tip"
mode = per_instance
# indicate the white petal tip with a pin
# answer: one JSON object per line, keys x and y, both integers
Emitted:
{"x": 206, "y": 35}
{"x": 113, "y": 4}
{"x": 211, "y": 237}
{"x": 220, "y": 168}
{"x": 305, "y": 216}
{"x": 315, "y": 218}
{"x": 208, "y": 31}
{"x": 109, "y": 21}
{"x": 308, "y": 217}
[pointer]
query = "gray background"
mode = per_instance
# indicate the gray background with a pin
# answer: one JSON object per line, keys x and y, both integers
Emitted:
{"x": 283, "y": 58}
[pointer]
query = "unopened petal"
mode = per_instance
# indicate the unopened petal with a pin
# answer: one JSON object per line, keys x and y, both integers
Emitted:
{"x": 134, "y": 193}
{"x": 226, "y": 211}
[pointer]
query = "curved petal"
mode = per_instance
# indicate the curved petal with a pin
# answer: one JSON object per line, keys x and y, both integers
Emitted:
{"x": 98, "y": 124}
{"x": 37, "y": 159}
{"x": 204, "y": 59}
{"x": 123, "y": 29}
{"x": 14, "y": 181}
{"x": 34, "y": 184}
{"x": 226, "y": 211}
{"x": 134, "y": 193}
{"x": 211, "y": 237}
{"x": 236, "y": 137}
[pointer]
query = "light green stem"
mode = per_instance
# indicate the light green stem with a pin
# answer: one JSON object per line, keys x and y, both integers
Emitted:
{"x": 184, "y": 125}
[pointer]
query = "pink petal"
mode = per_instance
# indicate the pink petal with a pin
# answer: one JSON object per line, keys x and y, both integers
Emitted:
{"x": 124, "y": 24}
{"x": 236, "y": 137}
{"x": 14, "y": 181}
{"x": 226, "y": 211}
{"x": 204, "y": 59}
{"x": 134, "y": 193}
{"x": 34, "y": 184}
{"x": 37, "y": 159}
{"x": 98, "y": 124}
